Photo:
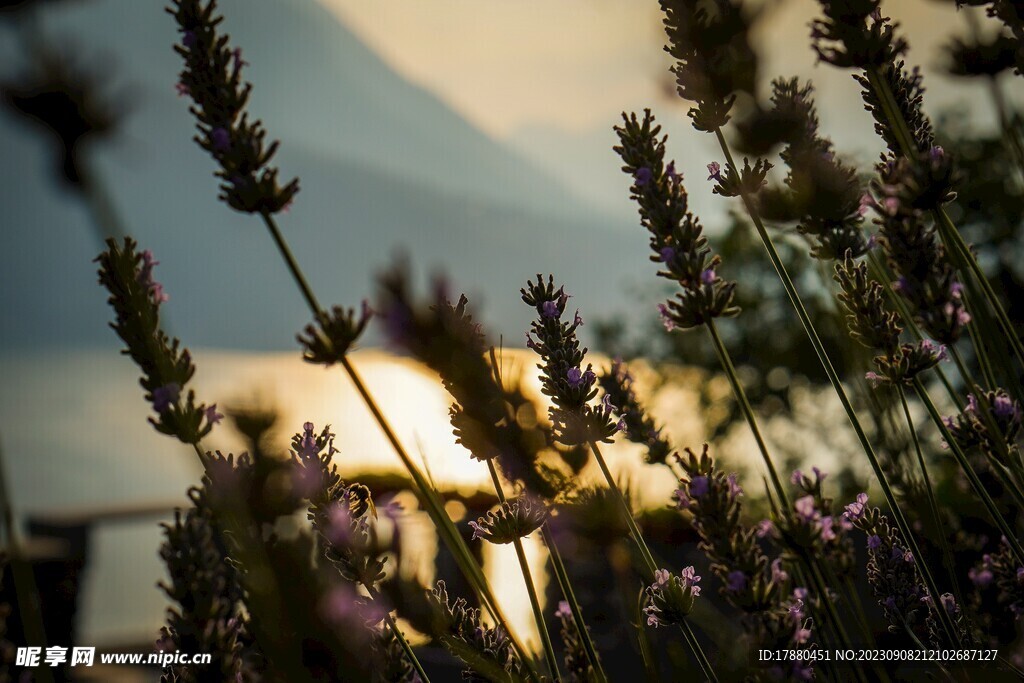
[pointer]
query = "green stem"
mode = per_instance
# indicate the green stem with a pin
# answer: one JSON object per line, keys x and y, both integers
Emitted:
{"x": 702, "y": 661}
{"x": 570, "y": 596}
{"x": 972, "y": 476}
{"x": 25, "y": 589}
{"x": 627, "y": 514}
{"x": 833, "y": 377}
{"x": 524, "y": 566}
{"x": 939, "y": 526}
{"x": 432, "y": 504}
{"x": 748, "y": 412}
{"x": 645, "y": 553}
{"x": 400, "y": 637}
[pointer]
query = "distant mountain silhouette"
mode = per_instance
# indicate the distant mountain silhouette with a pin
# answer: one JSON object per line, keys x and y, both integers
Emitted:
{"x": 385, "y": 166}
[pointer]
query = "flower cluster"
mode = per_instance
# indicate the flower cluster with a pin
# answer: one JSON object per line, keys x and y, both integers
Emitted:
{"x": 1001, "y": 571}
{"x": 714, "y": 58}
{"x": 207, "y": 590}
{"x": 981, "y": 56}
{"x": 577, "y": 665}
{"x": 492, "y": 421}
{"x": 617, "y": 384}
{"x": 891, "y": 569}
{"x": 331, "y": 338}
{"x": 670, "y": 597}
{"x": 872, "y": 324}
{"x": 739, "y": 182}
{"x": 166, "y": 368}
{"x": 973, "y": 426}
{"x": 676, "y": 236}
{"x": 563, "y": 378}
{"x": 485, "y": 649}
{"x": 812, "y": 527}
{"x": 925, "y": 278}
{"x": 514, "y": 519}
{"x": 824, "y": 193}
{"x": 713, "y": 498}
{"x": 212, "y": 77}
{"x": 752, "y": 584}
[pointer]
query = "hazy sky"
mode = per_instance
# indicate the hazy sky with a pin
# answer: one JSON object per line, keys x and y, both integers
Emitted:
{"x": 506, "y": 65}
{"x": 550, "y": 78}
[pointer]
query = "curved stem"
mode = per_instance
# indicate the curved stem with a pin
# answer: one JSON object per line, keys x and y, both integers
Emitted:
{"x": 833, "y": 376}
{"x": 524, "y": 566}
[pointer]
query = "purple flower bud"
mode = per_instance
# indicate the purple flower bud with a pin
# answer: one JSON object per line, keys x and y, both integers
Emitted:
{"x": 478, "y": 531}
{"x": 936, "y": 153}
{"x": 805, "y": 508}
{"x": 667, "y": 254}
{"x": 873, "y": 378}
{"x": 949, "y": 602}
{"x": 819, "y": 475}
{"x": 866, "y": 201}
{"x": 797, "y": 477}
{"x": 563, "y": 610}
{"x": 549, "y": 309}
{"x": 764, "y": 528}
{"x": 220, "y": 138}
{"x": 166, "y": 396}
{"x": 874, "y": 541}
{"x": 666, "y": 317}
{"x": 212, "y": 416}
{"x": 972, "y": 404}
{"x": 682, "y": 499}
{"x": 715, "y": 171}
{"x": 530, "y": 344}
{"x": 575, "y": 377}
{"x": 1004, "y": 408}
{"x": 890, "y": 602}
{"x": 670, "y": 171}
{"x": 708, "y": 276}
{"x": 661, "y": 577}
{"x": 801, "y": 636}
{"x": 827, "y": 532}
{"x": 855, "y": 510}
{"x": 981, "y": 578}
{"x": 643, "y": 176}
{"x": 577, "y": 320}
{"x": 699, "y": 486}
{"x": 735, "y": 490}
{"x": 736, "y": 581}
{"x": 188, "y": 39}
{"x": 779, "y": 574}
{"x": 182, "y": 89}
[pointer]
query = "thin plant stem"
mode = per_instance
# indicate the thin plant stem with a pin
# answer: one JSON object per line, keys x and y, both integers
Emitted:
{"x": 702, "y": 661}
{"x": 627, "y": 513}
{"x": 25, "y": 589}
{"x": 833, "y": 376}
{"x": 400, "y": 637}
{"x": 648, "y": 559}
{"x": 940, "y": 530}
{"x": 972, "y": 476}
{"x": 748, "y": 412}
{"x": 524, "y": 566}
{"x": 570, "y": 596}
{"x": 432, "y": 504}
